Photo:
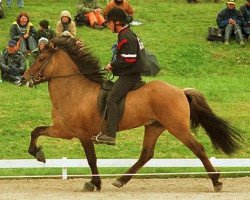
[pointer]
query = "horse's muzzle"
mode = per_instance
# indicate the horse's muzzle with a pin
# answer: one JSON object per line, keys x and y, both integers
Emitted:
{"x": 33, "y": 80}
{"x": 28, "y": 83}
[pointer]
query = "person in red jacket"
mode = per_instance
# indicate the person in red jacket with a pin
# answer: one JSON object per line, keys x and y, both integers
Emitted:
{"x": 122, "y": 4}
{"x": 128, "y": 67}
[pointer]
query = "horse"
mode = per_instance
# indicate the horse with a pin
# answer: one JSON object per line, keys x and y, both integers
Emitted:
{"x": 74, "y": 79}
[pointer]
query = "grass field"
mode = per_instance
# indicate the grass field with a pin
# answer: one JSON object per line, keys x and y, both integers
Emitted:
{"x": 176, "y": 32}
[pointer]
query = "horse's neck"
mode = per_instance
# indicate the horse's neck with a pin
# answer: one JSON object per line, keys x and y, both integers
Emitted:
{"x": 69, "y": 86}
{"x": 72, "y": 89}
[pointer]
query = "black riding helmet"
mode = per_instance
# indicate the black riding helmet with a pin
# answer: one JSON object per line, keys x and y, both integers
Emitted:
{"x": 117, "y": 14}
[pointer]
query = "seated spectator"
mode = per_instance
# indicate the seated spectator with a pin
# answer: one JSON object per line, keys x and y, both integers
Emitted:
{"x": 92, "y": 10}
{"x": 12, "y": 63}
{"x": 230, "y": 21}
{"x": 192, "y": 1}
{"x": 42, "y": 42}
{"x": 45, "y": 30}
{"x": 23, "y": 31}
{"x": 195, "y": 1}
{"x": 66, "y": 26}
{"x": 245, "y": 11}
{"x": 122, "y": 4}
{"x": 2, "y": 12}
{"x": 20, "y": 3}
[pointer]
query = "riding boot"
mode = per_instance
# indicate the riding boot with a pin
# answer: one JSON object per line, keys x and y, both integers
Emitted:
{"x": 102, "y": 138}
{"x": 109, "y": 135}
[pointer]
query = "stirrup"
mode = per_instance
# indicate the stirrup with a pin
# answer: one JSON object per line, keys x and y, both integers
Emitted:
{"x": 95, "y": 138}
{"x": 98, "y": 140}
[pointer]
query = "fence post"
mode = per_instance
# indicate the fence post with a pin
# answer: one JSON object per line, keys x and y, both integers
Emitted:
{"x": 64, "y": 168}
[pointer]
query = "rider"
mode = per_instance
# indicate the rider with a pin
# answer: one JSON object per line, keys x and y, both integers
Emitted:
{"x": 128, "y": 67}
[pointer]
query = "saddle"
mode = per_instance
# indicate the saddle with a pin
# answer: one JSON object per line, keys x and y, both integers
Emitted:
{"x": 101, "y": 101}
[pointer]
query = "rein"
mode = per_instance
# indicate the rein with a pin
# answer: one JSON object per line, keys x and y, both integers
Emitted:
{"x": 65, "y": 76}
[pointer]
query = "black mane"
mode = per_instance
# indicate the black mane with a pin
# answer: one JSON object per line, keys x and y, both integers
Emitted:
{"x": 86, "y": 62}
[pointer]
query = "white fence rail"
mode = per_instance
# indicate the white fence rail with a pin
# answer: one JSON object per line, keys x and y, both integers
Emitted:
{"x": 65, "y": 163}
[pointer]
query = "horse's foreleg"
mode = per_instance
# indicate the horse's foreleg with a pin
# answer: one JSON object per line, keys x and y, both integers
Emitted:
{"x": 33, "y": 149}
{"x": 50, "y": 131}
{"x": 152, "y": 132}
{"x": 89, "y": 150}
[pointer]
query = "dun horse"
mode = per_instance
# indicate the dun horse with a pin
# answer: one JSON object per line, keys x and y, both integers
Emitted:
{"x": 74, "y": 81}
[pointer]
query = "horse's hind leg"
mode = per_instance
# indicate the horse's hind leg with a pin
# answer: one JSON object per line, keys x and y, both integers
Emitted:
{"x": 152, "y": 132}
{"x": 199, "y": 151}
{"x": 91, "y": 157}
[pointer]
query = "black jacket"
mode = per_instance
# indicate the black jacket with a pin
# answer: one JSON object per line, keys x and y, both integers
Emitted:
{"x": 226, "y": 14}
{"x": 245, "y": 10}
{"x": 12, "y": 64}
{"x": 49, "y": 34}
{"x": 129, "y": 57}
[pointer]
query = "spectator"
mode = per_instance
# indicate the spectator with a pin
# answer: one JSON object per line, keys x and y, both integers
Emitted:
{"x": 45, "y": 30}
{"x": 230, "y": 20}
{"x": 245, "y": 11}
{"x": 20, "y": 3}
{"x": 23, "y": 31}
{"x": 195, "y": 1}
{"x": 2, "y": 15}
{"x": 122, "y": 4}
{"x": 192, "y": 1}
{"x": 92, "y": 10}
{"x": 66, "y": 27}
{"x": 42, "y": 43}
{"x": 12, "y": 63}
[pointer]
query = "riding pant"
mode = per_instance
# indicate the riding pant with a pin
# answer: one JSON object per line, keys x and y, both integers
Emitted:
{"x": 121, "y": 87}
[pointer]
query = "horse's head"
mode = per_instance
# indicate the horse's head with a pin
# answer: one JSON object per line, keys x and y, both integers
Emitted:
{"x": 63, "y": 57}
{"x": 41, "y": 69}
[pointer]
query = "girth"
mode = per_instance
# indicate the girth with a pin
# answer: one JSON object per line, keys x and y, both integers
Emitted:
{"x": 101, "y": 101}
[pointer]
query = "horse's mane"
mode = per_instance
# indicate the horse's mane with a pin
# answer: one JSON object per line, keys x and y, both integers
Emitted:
{"x": 87, "y": 63}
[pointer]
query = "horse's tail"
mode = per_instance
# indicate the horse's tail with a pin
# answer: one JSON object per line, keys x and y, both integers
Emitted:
{"x": 221, "y": 133}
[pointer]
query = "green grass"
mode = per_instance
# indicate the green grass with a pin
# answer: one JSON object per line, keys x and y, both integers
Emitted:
{"x": 176, "y": 32}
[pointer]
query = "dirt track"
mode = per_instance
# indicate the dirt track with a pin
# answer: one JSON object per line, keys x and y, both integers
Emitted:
{"x": 136, "y": 189}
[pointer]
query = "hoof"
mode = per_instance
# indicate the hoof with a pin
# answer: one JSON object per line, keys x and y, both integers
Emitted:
{"x": 40, "y": 156}
{"x": 218, "y": 186}
{"x": 118, "y": 183}
{"x": 89, "y": 187}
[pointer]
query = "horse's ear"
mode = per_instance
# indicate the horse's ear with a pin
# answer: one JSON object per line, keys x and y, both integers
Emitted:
{"x": 52, "y": 46}
{"x": 79, "y": 44}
